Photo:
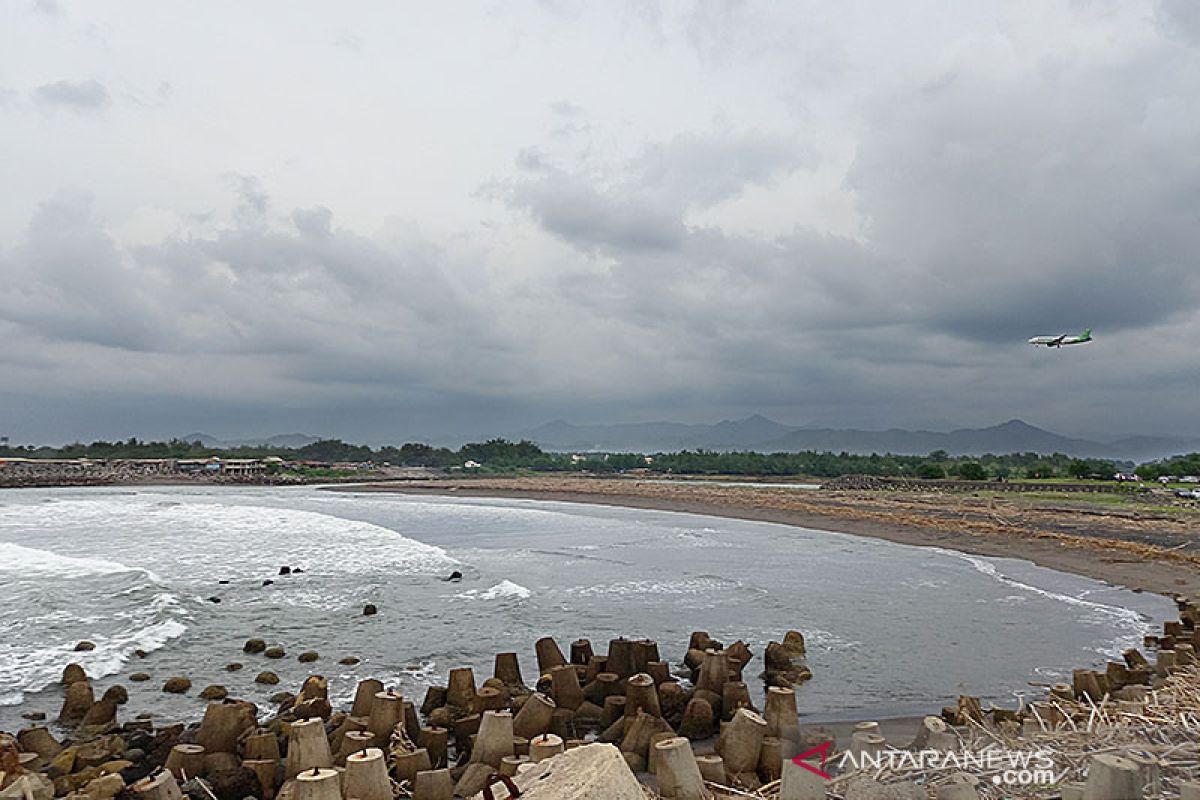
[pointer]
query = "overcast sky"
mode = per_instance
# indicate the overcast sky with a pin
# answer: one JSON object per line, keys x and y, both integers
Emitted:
{"x": 393, "y": 220}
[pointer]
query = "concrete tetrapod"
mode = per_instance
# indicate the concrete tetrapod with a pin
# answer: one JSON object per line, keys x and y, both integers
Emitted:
{"x": 678, "y": 773}
{"x": 366, "y": 776}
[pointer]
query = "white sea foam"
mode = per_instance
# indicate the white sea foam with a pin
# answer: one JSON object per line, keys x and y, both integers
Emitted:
{"x": 1131, "y": 624}
{"x": 24, "y": 670}
{"x": 236, "y": 539}
{"x": 29, "y": 561}
{"x": 504, "y": 589}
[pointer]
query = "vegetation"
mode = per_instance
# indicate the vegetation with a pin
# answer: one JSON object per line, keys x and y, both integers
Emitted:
{"x": 503, "y": 456}
{"x": 1178, "y": 466}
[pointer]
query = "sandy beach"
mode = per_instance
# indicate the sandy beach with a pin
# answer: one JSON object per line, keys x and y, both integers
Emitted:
{"x": 1140, "y": 546}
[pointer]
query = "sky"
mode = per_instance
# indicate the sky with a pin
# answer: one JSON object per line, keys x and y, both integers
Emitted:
{"x": 387, "y": 221}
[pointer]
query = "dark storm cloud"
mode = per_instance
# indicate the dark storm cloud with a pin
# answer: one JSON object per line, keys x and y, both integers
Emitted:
{"x": 85, "y": 95}
{"x": 641, "y": 207}
{"x": 703, "y": 211}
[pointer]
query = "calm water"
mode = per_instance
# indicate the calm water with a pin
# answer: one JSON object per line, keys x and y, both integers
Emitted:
{"x": 891, "y": 629}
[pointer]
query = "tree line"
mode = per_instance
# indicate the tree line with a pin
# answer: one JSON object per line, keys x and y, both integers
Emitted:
{"x": 502, "y": 455}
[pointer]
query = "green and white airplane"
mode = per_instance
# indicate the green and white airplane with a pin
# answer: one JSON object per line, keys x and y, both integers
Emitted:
{"x": 1061, "y": 339}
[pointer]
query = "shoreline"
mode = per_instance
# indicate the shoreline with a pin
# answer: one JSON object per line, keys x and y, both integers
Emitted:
{"x": 1104, "y": 559}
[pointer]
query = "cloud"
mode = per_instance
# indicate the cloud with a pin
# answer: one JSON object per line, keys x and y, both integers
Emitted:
{"x": 86, "y": 95}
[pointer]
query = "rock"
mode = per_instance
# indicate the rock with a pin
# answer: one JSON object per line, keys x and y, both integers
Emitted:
{"x": 268, "y": 583}
{"x": 177, "y": 685}
{"x": 296, "y": 570}
{"x": 116, "y": 765}
{"x": 34, "y": 716}
{"x": 348, "y": 661}
{"x": 140, "y": 653}
{"x": 118, "y": 694}
{"x": 223, "y": 583}
{"x": 369, "y": 610}
{"x": 73, "y": 673}
{"x": 63, "y": 763}
{"x": 793, "y": 643}
{"x": 283, "y": 698}
{"x": 453, "y": 576}
{"x": 214, "y": 692}
{"x": 233, "y": 667}
{"x": 100, "y": 718}
{"x": 197, "y": 789}
{"x": 77, "y": 703}
{"x": 214, "y": 599}
{"x": 85, "y": 646}
{"x": 589, "y": 772}
{"x": 308, "y": 656}
{"x": 274, "y": 652}
{"x": 99, "y": 751}
{"x": 29, "y": 786}
{"x": 254, "y": 646}
{"x": 285, "y": 570}
{"x": 105, "y": 787}
{"x": 235, "y": 784}
{"x": 139, "y": 677}
{"x": 268, "y": 678}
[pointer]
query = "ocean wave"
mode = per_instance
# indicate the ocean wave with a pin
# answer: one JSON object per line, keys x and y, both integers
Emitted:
{"x": 1132, "y": 624}
{"x": 237, "y": 539}
{"x": 26, "y": 670}
{"x": 27, "y": 561}
{"x": 504, "y": 589}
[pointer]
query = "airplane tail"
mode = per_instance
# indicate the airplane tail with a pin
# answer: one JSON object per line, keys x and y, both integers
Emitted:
{"x": 1087, "y": 333}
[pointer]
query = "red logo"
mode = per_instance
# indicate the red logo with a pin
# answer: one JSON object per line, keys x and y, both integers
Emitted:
{"x": 821, "y": 750}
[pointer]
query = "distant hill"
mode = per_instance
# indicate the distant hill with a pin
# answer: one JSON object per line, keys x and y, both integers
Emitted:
{"x": 765, "y": 435}
{"x": 285, "y": 440}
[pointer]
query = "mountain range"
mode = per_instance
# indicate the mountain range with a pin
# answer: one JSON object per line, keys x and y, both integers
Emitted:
{"x": 292, "y": 440}
{"x": 765, "y": 435}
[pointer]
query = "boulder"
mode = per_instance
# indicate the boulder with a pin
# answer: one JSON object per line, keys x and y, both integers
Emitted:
{"x": 348, "y": 661}
{"x": 85, "y": 646}
{"x": 590, "y": 772}
{"x": 254, "y": 646}
{"x": 274, "y": 652}
{"x": 266, "y": 677}
{"x": 73, "y": 673}
{"x": 139, "y": 677}
{"x": 177, "y": 685}
{"x": 118, "y": 694}
{"x": 235, "y": 784}
{"x": 214, "y": 692}
{"x": 308, "y": 656}
{"x": 233, "y": 667}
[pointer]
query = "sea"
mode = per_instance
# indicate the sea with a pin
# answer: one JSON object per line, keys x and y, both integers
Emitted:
{"x": 188, "y": 574}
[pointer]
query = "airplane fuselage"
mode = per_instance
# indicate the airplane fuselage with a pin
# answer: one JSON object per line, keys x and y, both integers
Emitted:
{"x": 1061, "y": 340}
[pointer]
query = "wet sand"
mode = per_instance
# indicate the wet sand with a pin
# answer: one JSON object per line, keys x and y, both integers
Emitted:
{"x": 1140, "y": 548}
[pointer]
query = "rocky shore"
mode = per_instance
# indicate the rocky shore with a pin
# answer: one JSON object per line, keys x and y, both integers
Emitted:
{"x": 622, "y": 724}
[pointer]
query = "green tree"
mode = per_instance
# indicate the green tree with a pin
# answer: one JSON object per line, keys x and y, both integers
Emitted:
{"x": 972, "y": 471}
{"x": 931, "y": 471}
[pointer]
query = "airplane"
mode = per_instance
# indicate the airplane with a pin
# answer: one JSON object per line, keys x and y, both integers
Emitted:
{"x": 1061, "y": 339}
